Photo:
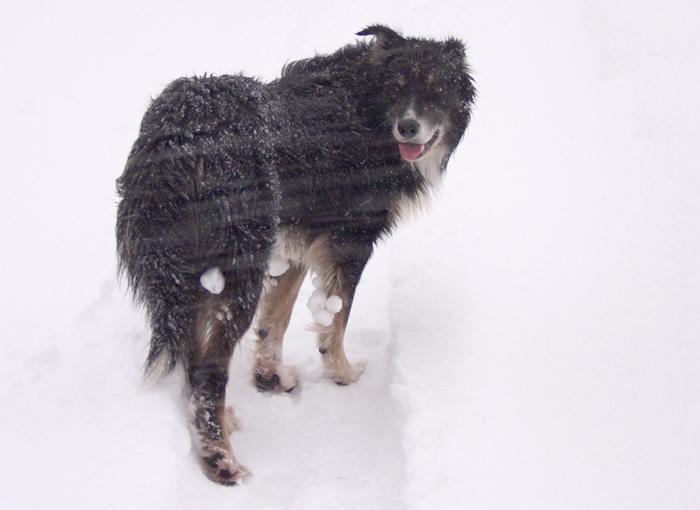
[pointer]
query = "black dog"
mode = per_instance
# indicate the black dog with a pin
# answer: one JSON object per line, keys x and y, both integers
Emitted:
{"x": 234, "y": 189}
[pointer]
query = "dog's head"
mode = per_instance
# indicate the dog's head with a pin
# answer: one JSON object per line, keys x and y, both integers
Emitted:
{"x": 427, "y": 89}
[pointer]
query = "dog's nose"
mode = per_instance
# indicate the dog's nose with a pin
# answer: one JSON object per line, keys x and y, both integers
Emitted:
{"x": 408, "y": 128}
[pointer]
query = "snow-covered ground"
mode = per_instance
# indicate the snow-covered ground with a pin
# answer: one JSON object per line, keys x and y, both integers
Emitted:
{"x": 532, "y": 342}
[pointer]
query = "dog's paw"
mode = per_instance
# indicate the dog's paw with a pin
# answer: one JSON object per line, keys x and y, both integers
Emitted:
{"x": 270, "y": 377}
{"x": 221, "y": 467}
{"x": 346, "y": 373}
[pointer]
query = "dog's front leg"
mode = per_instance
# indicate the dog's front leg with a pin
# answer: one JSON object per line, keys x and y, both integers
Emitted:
{"x": 330, "y": 305}
{"x": 330, "y": 340}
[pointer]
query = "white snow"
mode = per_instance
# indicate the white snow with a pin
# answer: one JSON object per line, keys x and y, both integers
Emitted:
{"x": 533, "y": 341}
{"x": 213, "y": 280}
{"x": 317, "y": 300}
{"x": 323, "y": 316}
{"x": 334, "y": 304}
{"x": 322, "y": 306}
{"x": 277, "y": 266}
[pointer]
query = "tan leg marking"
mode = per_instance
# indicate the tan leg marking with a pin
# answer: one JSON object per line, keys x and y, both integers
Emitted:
{"x": 330, "y": 338}
{"x": 330, "y": 341}
{"x": 274, "y": 314}
{"x": 209, "y": 359}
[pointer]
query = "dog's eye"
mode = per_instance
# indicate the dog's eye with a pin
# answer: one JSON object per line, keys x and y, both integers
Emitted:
{"x": 437, "y": 88}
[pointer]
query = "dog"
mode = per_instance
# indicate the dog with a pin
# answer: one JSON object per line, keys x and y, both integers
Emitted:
{"x": 235, "y": 189}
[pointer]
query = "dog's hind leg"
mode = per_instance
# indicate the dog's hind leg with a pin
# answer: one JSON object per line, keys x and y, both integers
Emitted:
{"x": 274, "y": 314}
{"x": 221, "y": 319}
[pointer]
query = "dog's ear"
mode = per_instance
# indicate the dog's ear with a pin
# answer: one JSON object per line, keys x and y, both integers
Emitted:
{"x": 454, "y": 48}
{"x": 385, "y": 37}
{"x": 384, "y": 40}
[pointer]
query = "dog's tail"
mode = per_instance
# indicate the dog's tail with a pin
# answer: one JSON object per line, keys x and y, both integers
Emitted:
{"x": 161, "y": 361}
{"x": 153, "y": 275}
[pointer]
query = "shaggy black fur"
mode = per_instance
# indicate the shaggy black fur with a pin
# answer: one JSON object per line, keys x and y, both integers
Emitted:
{"x": 222, "y": 165}
{"x": 200, "y": 190}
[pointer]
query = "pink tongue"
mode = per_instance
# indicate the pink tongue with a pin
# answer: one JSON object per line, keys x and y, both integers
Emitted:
{"x": 411, "y": 150}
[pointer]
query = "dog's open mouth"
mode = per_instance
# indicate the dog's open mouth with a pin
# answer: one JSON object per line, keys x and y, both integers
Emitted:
{"x": 413, "y": 151}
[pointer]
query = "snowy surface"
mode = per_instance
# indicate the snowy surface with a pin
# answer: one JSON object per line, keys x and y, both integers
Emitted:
{"x": 322, "y": 306}
{"x": 532, "y": 342}
{"x": 213, "y": 280}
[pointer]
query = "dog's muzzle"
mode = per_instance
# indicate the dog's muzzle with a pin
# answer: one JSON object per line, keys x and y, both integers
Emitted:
{"x": 411, "y": 151}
